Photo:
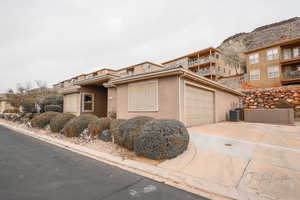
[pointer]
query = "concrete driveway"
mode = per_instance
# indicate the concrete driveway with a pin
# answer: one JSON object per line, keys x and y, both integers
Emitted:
{"x": 259, "y": 161}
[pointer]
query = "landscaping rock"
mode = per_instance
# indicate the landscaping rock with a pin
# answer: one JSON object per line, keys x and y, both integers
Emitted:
{"x": 162, "y": 139}
{"x": 131, "y": 129}
{"x": 105, "y": 136}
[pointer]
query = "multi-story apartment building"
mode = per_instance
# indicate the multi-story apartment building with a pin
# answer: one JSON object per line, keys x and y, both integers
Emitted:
{"x": 210, "y": 63}
{"x": 274, "y": 65}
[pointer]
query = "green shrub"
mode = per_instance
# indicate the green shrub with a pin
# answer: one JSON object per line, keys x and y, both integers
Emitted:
{"x": 43, "y": 119}
{"x": 131, "y": 129}
{"x": 51, "y": 100}
{"x": 13, "y": 110}
{"x": 96, "y": 127}
{"x": 75, "y": 126}
{"x": 54, "y": 108}
{"x": 114, "y": 128}
{"x": 162, "y": 139}
{"x": 29, "y": 105}
{"x": 283, "y": 104}
{"x": 59, "y": 121}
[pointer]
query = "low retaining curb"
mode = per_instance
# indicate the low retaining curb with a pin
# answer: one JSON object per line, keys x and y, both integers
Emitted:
{"x": 176, "y": 179}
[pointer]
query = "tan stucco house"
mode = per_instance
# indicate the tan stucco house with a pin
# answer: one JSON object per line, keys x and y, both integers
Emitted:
{"x": 149, "y": 89}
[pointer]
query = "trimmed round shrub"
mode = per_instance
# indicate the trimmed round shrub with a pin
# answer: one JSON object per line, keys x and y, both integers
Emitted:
{"x": 162, "y": 139}
{"x": 59, "y": 121}
{"x": 76, "y": 126}
{"x": 43, "y": 119}
{"x": 114, "y": 129}
{"x": 96, "y": 127}
{"x": 131, "y": 129}
{"x": 54, "y": 108}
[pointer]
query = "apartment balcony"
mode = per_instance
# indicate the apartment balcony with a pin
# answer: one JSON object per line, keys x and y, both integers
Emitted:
{"x": 200, "y": 61}
{"x": 290, "y": 77}
{"x": 290, "y": 56}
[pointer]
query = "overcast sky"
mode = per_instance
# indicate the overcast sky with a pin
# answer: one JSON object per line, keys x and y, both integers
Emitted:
{"x": 54, "y": 40}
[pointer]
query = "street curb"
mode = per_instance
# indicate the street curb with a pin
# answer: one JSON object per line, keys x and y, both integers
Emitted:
{"x": 179, "y": 180}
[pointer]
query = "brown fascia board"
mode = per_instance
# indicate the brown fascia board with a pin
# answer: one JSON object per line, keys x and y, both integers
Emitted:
{"x": 169, "y": 72}
{"x": 190, "y": 54}
{"x": 280, "y": 43}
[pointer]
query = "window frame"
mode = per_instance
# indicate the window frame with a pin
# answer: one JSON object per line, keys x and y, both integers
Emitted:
{"x": 273, "y": 72}
{"x": 257, "y": 79}
{"x": 271, "y": 55}
{"x": 83, "y": 101}
{"x": 254, "y": 58}
{"x": 132, "y": 108}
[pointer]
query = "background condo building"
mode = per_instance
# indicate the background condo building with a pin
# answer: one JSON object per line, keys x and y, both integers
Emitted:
{"x": 210, "y": 63}
{"x": 274, "y": 65}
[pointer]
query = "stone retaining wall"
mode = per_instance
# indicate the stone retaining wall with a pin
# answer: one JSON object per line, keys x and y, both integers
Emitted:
{"x": 283, "y": 97}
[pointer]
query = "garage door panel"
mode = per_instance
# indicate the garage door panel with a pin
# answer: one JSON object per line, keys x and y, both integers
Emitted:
{"x": 198, "y": 106}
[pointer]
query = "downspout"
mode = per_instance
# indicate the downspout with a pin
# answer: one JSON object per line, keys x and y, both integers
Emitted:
{"x": 179, "y": 97}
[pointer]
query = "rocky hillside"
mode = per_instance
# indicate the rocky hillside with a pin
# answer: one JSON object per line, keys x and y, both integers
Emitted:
{"x": 261, "y": 36}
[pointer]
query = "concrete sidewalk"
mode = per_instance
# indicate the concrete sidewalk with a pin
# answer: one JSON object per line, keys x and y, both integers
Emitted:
{"x": 259, "y": 161}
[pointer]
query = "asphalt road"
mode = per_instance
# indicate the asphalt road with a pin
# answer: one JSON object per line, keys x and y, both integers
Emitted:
{"x": 31, "y": 169}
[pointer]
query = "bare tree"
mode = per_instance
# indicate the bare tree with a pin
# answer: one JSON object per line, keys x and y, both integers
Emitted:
{"x": 10, "y": 91}
{"x": 41, "y": 84}
{"x": 20, "y": 88}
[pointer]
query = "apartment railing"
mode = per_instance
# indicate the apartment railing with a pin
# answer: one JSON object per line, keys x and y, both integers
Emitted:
{"x": 201, "y": 61}
{"x": 205, "y": 72}
{"x": 288, "y": 54}
{"x": 291, "y": 75}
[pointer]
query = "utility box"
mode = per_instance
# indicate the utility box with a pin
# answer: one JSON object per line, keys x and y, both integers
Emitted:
{"x": 234, "y": 115}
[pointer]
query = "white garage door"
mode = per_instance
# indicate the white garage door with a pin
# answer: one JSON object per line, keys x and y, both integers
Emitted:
{"x": 71, "y": 103}
{"x": 198, "y": 106}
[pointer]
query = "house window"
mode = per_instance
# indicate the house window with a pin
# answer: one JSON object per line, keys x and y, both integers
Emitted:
{"x": 88, "y": 102}
{"x": 254, "y": 58}
{"x": 273, "y": 72}
{"x": 296, "y": 52}
{"x": 255, "y": 74}
{"x": 287, "y": 54}
{"x": 143, "y": 96}
{"x": 272, "y": 54}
